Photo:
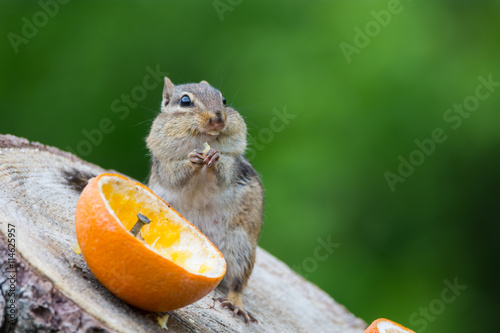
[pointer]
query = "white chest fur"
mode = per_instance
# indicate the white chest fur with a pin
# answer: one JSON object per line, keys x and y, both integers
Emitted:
{"x": 202, "y": 203}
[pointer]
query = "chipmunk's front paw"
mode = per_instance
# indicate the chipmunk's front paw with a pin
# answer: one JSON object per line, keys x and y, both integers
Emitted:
{"x": 212, "y": 157}
{"x": 196, "y": 157}
{"x": 237, "y": 310}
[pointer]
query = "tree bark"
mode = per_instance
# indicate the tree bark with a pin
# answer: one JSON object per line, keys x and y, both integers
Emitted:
{"x": 47, "y": 287}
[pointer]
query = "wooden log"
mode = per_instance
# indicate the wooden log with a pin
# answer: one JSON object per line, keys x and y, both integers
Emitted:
{"x": 53, "y": 290}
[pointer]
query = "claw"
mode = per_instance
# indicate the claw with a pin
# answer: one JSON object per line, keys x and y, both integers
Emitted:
{"x": 252, "y": 318}
{"x": 196, "y": 157}
{"x": 237, "y": 310}
{"x": 211, "y": 157}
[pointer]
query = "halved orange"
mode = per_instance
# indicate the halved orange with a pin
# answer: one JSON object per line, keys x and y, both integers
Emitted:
{"x": 173, "y": 265}
{"x": 383, "y": 325}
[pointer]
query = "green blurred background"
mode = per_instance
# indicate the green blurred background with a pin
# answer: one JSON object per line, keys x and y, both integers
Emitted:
{"x": 324, "y": 171}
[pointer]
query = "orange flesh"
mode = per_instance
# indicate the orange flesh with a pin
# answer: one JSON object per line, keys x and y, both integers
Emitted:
{"x": 165, "y": 232}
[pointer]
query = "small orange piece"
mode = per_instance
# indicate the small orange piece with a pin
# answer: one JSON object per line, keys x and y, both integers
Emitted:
{"x": 173, "y": 266}
{"x": 383, "y": 325}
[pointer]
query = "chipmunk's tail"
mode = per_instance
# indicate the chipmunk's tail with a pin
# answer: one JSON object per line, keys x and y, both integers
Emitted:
{"x": 77, "y": 179}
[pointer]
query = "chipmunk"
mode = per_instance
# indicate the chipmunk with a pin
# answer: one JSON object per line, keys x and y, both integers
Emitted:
{"x": 218, "y": 191}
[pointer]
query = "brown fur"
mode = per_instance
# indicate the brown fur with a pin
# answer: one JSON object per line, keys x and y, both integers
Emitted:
{"x": 223, "y": 199}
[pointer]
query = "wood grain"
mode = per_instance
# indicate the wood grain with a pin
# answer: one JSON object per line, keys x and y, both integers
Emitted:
{"x": 56, "y": 291}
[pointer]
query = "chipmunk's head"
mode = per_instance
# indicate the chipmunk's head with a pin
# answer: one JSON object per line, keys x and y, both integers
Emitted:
{"x": 197, "y": 112}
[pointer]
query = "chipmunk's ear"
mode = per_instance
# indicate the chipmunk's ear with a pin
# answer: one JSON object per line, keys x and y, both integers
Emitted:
{"x": 168, "y": 91}
{"x": 204, "y": 82}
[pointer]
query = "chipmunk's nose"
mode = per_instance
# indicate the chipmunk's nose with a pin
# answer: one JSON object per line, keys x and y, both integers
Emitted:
{"x": 216, "y": 122}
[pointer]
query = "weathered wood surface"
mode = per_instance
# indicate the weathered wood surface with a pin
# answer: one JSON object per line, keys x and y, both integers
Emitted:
{"x": 56, "y": 291}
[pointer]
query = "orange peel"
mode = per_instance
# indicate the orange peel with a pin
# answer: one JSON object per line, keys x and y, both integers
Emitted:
{"x": 173, "y": 265}
{"x": 383, "y": 325}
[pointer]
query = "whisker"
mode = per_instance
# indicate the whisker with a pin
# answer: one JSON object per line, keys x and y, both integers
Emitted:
{"x": 149, "y": 109}
{"x": 254, "y": 125}
{"x": 251, "y": 137}
{"x": 142, "y": 122}
{"x": 263, "y": 108}
{"x": 236, "y": 94}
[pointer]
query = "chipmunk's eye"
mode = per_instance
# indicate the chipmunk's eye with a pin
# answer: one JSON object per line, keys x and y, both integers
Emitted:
{"x": 223, "y": 101}
{"x": 185, "y": 100}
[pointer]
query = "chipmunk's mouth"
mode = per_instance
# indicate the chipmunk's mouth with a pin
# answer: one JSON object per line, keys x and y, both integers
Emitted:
{"x": 209, "y": 135}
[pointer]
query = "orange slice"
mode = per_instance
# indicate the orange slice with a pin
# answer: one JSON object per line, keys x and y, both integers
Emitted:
{"x": 172, "y": 266}
{"x": 383, "y": 325}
